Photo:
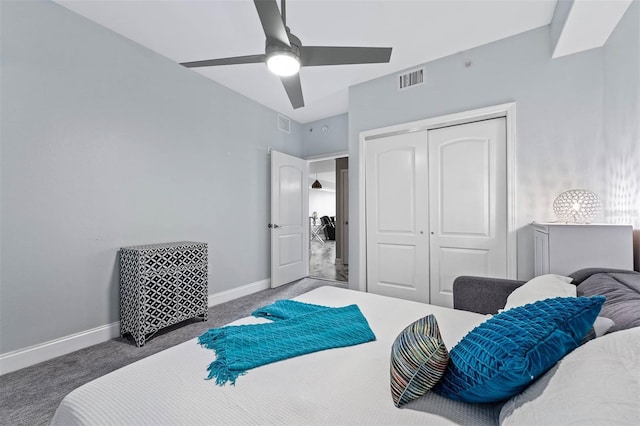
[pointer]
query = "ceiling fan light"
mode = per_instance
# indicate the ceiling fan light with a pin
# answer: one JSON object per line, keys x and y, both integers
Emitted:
{"x": 283, "y": 63}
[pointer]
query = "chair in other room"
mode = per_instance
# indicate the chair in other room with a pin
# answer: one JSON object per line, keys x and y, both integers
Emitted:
{"x": 329, "y": 228}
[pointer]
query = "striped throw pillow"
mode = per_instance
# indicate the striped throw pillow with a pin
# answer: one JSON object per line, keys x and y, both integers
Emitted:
{"x": 418, "y": 360}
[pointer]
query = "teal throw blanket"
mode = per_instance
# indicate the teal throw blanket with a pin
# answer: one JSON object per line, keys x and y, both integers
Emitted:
{"x": 297, "y": 329}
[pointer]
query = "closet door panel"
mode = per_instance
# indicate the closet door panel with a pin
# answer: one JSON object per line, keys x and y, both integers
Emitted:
{"x": 397, "y": 216}
{"x": 464, "y": 186}
{"x": 396, "y": 190}
{"x": 468, "y": 204}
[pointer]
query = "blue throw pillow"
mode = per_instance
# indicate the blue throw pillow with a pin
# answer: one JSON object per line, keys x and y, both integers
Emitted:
{"x": 501, "y": 356}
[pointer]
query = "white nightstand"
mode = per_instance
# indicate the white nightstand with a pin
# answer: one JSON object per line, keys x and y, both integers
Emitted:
{"x": 561, "y": 248}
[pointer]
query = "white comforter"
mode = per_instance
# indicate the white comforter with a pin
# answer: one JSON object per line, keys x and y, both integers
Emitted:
{"x": 339, "y": 386}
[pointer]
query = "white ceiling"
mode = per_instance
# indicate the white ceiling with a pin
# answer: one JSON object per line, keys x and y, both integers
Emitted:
{"x": 419, "y": 31}
{"x": 588, "y": 25}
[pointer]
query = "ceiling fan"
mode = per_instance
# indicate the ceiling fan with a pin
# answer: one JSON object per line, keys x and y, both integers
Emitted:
{"x": 285, "y": 54}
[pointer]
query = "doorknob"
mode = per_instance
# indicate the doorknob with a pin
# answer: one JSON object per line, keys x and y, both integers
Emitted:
{"x": 273, "y": 225}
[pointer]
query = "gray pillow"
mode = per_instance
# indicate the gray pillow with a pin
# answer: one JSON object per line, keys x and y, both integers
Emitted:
{"x": 583, "y": 274}
{"x": 622, "y": 291}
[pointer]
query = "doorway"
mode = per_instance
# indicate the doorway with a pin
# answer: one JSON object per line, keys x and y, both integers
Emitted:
{"x": 328, "y": 219}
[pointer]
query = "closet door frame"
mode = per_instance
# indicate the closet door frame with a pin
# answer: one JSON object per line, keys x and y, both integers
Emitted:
{"x": 507, "y": 110}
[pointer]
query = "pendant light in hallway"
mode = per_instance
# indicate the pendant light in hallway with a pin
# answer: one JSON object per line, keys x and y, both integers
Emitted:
{"x": 316, "y": 184}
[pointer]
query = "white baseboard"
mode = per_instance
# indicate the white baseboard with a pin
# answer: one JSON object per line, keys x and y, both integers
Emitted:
{"x": 234, "y": 293}
{"x": 21, "y": 358}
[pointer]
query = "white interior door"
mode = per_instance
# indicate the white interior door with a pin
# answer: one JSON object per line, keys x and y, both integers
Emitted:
{"x": 289, "y": 219}
{"x": 397, "y": 216}
{"x": 468, "y": 204}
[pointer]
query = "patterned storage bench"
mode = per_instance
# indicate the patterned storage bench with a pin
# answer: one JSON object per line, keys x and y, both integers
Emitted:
{"x": 161, "y": 285}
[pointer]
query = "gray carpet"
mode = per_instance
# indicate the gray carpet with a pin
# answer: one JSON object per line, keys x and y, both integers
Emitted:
{"x": 30, "y": 396}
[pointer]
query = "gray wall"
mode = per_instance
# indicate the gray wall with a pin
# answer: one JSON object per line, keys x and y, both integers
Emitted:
{"x": 622, "y": 123}
{"x": 107, "y": 144}
{"x": 559, "y": 120}
{"x": 315, "y": 142}
{"x": 560, "y": 15}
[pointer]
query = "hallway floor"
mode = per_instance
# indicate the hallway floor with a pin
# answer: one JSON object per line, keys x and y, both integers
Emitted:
{"x": 322, "y": 262}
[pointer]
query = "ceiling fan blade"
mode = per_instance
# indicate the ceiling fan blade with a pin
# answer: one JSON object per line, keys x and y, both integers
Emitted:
{"x": 327, "y": 55}
{"x": 250, "y": 59}
{"x": 294, "y": 90}
{"x": 271, "y": 20}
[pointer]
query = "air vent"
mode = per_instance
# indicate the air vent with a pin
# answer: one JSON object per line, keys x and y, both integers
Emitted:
{"x": 284, "y": 124}
{"x": 410, "y": 79}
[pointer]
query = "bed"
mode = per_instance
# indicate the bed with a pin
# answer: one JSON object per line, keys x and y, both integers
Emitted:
{"x": 339, "y": 386}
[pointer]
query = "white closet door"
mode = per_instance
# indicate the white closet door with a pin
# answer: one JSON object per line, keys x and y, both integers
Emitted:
{"x": 397, "y": 216}
{"x": 468, "y": 204}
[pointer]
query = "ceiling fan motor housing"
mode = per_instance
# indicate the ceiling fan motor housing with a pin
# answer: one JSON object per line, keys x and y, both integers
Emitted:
{"x": 273, "y": 46}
